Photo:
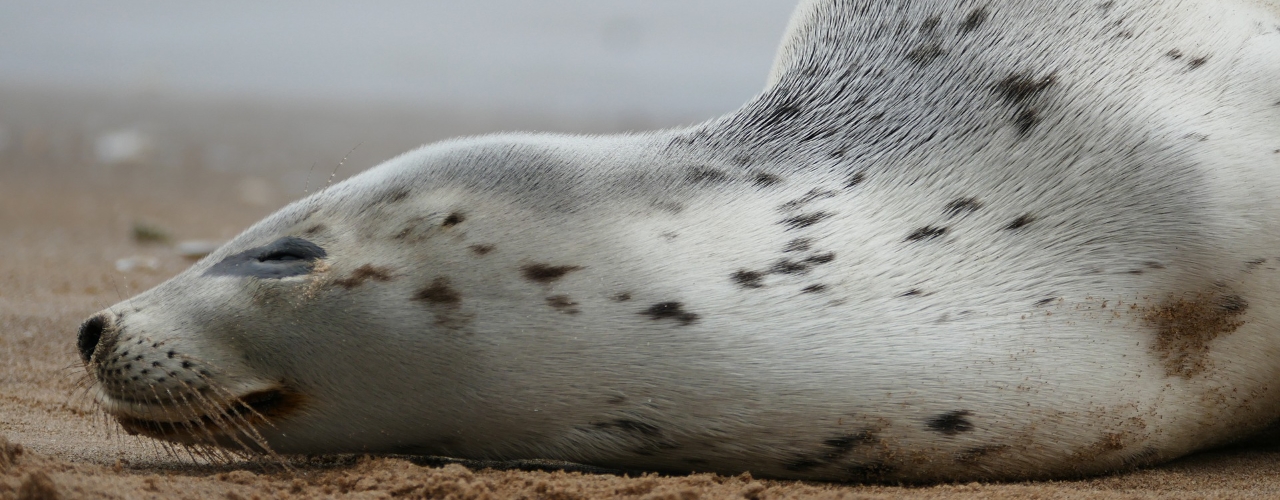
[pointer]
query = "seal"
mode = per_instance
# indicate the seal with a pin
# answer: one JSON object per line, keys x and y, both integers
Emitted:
{"x": 950, "y": 240}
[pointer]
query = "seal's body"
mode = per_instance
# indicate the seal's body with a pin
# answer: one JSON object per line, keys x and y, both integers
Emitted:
{"x": 951, "y": 240}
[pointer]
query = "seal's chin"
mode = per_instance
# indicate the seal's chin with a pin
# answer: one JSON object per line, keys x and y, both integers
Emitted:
{"x": 230, "y": 423}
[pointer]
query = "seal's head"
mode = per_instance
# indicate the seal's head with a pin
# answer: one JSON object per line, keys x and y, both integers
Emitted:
{"x": 171, "y": 363}
{"x": 383, "y": 314}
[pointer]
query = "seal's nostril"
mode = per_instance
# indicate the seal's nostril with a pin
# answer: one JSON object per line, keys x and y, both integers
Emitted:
{"x": 90, "y": 334}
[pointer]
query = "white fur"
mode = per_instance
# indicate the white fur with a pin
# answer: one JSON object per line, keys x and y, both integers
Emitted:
{"x": 1139, "y": 139}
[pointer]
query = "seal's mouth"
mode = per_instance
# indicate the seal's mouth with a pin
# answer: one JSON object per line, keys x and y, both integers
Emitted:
{"x": 241, "y": 416}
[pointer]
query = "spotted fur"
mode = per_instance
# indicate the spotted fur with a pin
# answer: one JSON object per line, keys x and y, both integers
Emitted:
{"x": 950, "y": 240}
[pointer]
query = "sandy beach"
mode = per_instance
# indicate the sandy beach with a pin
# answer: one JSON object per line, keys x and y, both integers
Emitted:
{"x": 94, "y": 193}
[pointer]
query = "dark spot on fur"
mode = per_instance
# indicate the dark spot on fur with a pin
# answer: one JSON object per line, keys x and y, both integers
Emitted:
{"x": 748, "y": 279}
{"x": 963, "y": 205}
{"x": 821, "y": 258}
{"x": 544, "y": 273}
{"x": 1045, "y": 302}
{"x": 970, "y": 455}
{"x": 1026, "y": 119}
{"x": 812, "y": 195}
{"x": 912, "y": 292}
{"x": 869, "y": 471}
{"x": 706, "y": 175}
{"x": 1186, "y": 325}
{"x": 1197, "y": 62}
{"x": 670, "y": 310}
{"x": 1020, "y": 222}
{"x": 563, "y": 303}
{"x": 925, "y": 53}
{"x": 453, "y": 219}
{"x": 171, "y": 354}
{"x": 974, "y": 20}
{"x": 855, "y": 179}
{"x": 1233, "y": 304}
{"x": 1020, "y": 87}
{"x": 621, "y": 297}
{"x": 782, "y": 113}
{"x": 315, "y": 229}
{"x": 396, "y": 196}
{"x": 439, "y": 292}
{"x": 404, "y": 233}
{"x": 843, "y": 444}
{"x": 362, "y": 274}
{"x": 481, "y": 249}
{"x": 798, "y": 245}
{"x": 155, "y": 364}
{"x": 785, "y": 266}
{"x": 1134, "y": 271}
{"x": 631, "y": 426}
{"x": 1174, "y": 54}
{"x": 951, "y": 423}
{"x": 802, "y": 464}
{"x": 926, "y": 233}
{"x": 818, "y": 134}
{"x": 806, "y": 220}
{"x": 814, "y": 288}
{"x": 930, "y": 24}
{"x": 186, "y": 364}
{"x": 1255, "y": 263}
{"x": 765, "y": 180}
{"x": 668, "y": 206}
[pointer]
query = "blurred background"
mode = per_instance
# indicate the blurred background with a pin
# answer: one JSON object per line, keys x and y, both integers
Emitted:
{"x": 272, "y": 88}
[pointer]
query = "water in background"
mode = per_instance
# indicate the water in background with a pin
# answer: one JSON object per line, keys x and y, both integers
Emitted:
{"x": 275, "y": 91}
{"x": 658, "y": 59}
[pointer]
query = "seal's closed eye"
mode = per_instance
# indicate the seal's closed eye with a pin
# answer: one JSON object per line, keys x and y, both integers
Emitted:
{"x": 285, "y": 257}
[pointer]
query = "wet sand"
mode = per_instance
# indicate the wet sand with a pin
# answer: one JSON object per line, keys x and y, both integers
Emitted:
{"x": 67, "y": 218}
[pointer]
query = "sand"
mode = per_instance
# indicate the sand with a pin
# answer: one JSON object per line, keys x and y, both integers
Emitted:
{"x": 66, "y": 218}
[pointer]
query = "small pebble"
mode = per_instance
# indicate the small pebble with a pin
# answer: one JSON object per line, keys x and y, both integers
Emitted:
{"x": 145, "y": 232}
{"x": 126, "y": 146}
{"x": 129, "y": 264}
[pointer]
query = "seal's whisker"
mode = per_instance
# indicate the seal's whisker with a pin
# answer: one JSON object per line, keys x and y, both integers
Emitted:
{"x": 168, "y": 413}
{"x": 245, "y": 425}
{"x": 212, "y": 414}
{"x": 219, "y": 417}
{"x": 340, "y": 163}
{"x": 306, "y": 187}
{"x": 195, "y": 422}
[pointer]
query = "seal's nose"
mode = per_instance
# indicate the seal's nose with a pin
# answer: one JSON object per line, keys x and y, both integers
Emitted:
{"x": 91, "y": 334}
